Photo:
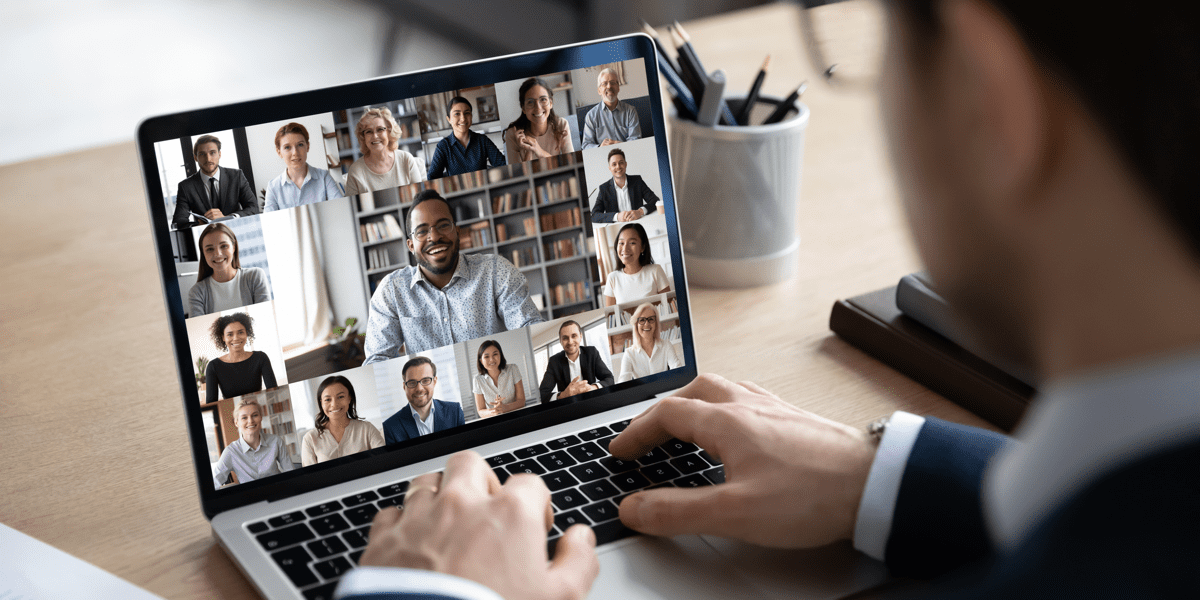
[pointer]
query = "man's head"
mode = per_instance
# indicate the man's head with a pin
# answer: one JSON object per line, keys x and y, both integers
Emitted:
{"x": 608, "y": 85}
{"x": 420, "y": 379}
{"x": 570, "y": 335}
{"x": 432, "y": 235}
{"x": 617, "y": 164}
{"x": 207, "y": 152}
{"x": 1037, "y": 178}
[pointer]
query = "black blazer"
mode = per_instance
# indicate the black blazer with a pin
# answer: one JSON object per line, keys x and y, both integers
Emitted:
{"x": 558, "y": 373}
{"x": 640, "y": 195}
{"x": 235, "y": 197}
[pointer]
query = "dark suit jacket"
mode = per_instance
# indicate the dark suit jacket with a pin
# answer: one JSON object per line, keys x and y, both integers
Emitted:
{"x": 640, "y": 195}
{"x": 558, "y": 372}
{"x": 400, "y": 426}
{"x": 235, "y": 197}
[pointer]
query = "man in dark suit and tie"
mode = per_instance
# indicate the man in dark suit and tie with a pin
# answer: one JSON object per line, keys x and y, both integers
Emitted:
{"x": 214, "y": 191}
{"x": 575, "y": 370}
{"x": 424, "y": 414}
{"x": 624, "y": 197}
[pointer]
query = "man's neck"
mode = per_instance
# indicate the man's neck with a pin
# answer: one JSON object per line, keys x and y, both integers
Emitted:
{"x": 621, "y": 181}
{"x": 441, "y": 281}
{"x": 424, "y": 415}
{"x": 214, "y": 171}
{"x": 613, "y": 104}
{"x": 576, "y": 357}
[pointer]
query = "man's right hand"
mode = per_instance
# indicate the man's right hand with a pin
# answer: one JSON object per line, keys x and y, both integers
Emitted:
{"x": 214, "y": 213}
{"x": 793, "y": 479}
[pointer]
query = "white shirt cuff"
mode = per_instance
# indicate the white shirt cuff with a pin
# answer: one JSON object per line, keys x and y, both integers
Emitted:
{"x": 377, "y": 580}
{"x": 874, "y": 523}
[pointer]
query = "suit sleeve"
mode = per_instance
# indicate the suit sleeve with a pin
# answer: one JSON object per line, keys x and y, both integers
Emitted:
{"x": 549, "y": 382}
{"x": 183, "y": 208}
{"x": 938, "y": 523}
{"x": 604, "y": 210}
{"x": 459, "y": 417}
{"x": 649, "y": 198}
{"x": 604, "y": 377}
{"x": 246, "y": 199}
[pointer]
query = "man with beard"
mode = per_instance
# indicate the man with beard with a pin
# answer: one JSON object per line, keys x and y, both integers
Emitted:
{"x": 611, "y": 121}
{"x": 424, "y": 414}
{"x": 448, "y": 297}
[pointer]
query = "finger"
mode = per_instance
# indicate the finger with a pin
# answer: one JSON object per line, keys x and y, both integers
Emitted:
{"x": 688, "y": 419}
{"x": 421, "y": 491}
{"x": 576, "y": 380}
{"x": 386, "y": 518}
{"x": 675, "y": 511}
{"x": 757, "y": 389}
{"x": 466, "y": 474}
{"x": 575, "y": 565}
{"x": 530, "y": 494}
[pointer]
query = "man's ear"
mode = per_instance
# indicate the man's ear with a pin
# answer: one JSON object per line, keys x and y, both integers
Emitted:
{"x": 1005, "y": 108}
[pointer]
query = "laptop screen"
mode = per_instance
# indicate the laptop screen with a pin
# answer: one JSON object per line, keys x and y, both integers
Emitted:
{"x": 416, "y": 257}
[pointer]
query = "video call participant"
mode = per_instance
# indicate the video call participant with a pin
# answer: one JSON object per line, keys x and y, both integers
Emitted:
{"x": 424, "y": 414}
{"x": 611, "y": 121}
{"x": 300, "y": 183}
{"x": 498, "y": 387}
{"x": 649, "y": 353}
{"x": 239, "y": 371}
{"x": 624, "y": 197}
{"x": 636, "y": 275}
{"x": 222, "y": 283}
{"x": 538, "y": 132}
{"x": 447, "y": 297}
{"x": 464, "y": 151}
{"x": 255, "y": 454}
{"x": 576, "y": 369}
{"x": 214, "y": 191}
{"x": 383, "y": 164}
{"x": 339, "y": 431}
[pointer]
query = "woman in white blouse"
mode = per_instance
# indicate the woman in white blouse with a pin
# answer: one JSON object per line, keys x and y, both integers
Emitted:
{"x": 636, "y": 275}
{"x": 497, "y": 387}
{"x": 383, "y": 165}
{"x": 339, "y": 432}
{"x": 648, "y": 354}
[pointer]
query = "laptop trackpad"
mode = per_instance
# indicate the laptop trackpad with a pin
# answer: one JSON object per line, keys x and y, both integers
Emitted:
{"x": 679, "y": 567}
{"x": 831, "y": 572}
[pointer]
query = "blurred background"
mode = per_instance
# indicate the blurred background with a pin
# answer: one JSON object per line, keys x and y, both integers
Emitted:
{"x": 82, "y": 73}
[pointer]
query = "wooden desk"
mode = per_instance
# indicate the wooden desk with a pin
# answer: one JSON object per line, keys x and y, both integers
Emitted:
{"x": 96, "y": 457}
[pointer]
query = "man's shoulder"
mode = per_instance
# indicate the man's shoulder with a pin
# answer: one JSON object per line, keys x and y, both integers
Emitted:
{"x": 558, "y": 357}
{"x": 400, "y": 277}
{"x": 447, "y": 405}
{"x": 394, "y": 420}
{"x": 481, "y": 261}
{"x": 231, "y": 172}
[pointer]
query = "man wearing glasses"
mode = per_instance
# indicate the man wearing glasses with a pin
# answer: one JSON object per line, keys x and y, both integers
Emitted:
{"x": 447, "y": 297}
{"x": 424, "y": 414}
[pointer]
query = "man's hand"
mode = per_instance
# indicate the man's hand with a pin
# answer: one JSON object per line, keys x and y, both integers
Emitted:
{"x": 609, "y": 142}
{"x": 214, "y": 213}
{"x": 465, "y": 523}
{"x": 793, "y": 479}
{"x": 630, "y": 215}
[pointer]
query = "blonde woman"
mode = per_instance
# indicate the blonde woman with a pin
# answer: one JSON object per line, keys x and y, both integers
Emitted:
{"x": 255, "y": 454}
{"x": 383, "y": 164}
{"x": 648, "y": 354}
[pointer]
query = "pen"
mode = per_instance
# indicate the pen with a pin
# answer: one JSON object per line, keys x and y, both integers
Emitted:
{"x": 662, "y": 50}
{"x": 786, "y": 106}
{"x": 743, "y": 116}
{"x": 687, "y": 54}
{"x": 679, "y": 90}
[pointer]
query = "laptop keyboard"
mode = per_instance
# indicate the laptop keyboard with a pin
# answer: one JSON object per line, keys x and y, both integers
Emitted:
{"x": 315, "y": 546}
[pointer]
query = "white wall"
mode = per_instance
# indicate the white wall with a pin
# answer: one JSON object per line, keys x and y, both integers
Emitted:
{"x": 339, "y": 260}
{"x": 642, "y": 157}
{"x": 265, "y": 160}
{"x": 585, "y": 83}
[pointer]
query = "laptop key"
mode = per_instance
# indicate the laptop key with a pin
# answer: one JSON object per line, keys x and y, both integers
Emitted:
{"x": 501, "y": 474}
{"x": 716, "y": 474}
{"x": 560, "y": 480}
{"x": 677, "y": 447}
{"x": 603, "y": 443}
{"x": 586, "y": 452}
{"x": 362, "y": 498}
{"x": 656, "y": 455}
{"x": 323, "y": 509}
{"x": 691, "y": 481}
{"x": 689, "y": 464}
{"x": 562, "y": 442}
{"x": 294, "y": 534}
{"x": 294, "y": 562}
{"x": 287, "y": 519}
{"x": 620, "y": 426}
{"x": 395, "y": 489}
{"x": 357, "y": 538}
{"x": 660, "y": 473}
{"x": 526, "y": 466}
{"x": 324, "y": 592}
{"x": 354, "y": 556}
{"x": 500, "y": 460}
{"x": 616, "y": 465}
{"x": 708, "y": 457}
{"x": 530, "y": 451}
{"x": 556, "y": 460}
{"x": 393, "y": 501}
{"x": 324, "y": 548}
{"x": 611, "y": 532}
{"x": 568, "y": 499}
{"x": 589, "y": 471}
{"x": 329, "y": 524}
{"x": 333, "y": 568}
{"x": 630, "y": 482}
{"x": 569, "y": 518}
{"x": 258, "y": 527}
{"x": 599, "y": 490}
{"x": 594, "y": 434}
{"x": 601, "y": 511}
{"x": 361, "y": 515}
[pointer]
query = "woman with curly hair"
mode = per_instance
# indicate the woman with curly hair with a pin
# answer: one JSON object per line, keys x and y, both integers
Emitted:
{"x": 339, "y": 430}
{"x": 239, "y": 371}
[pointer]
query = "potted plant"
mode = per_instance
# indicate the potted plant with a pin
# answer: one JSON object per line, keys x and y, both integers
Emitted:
{"x": 201, "y": 368}
{"x": 346, "y": 348}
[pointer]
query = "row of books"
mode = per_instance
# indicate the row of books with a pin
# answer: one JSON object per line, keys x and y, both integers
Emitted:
{"x": 527, "y": 229}
{"x": 478, "y": 234}
{"x": 570, "y": 293}
{"x": 283, "y": 428}
{"x": 561, "y": 219}
{"x": 387, "y": 228}
{"x": 502, "y": 203}
{"x": 564, "y": 248}
{"x": 378, "y": 258}
{"x": 563, "y": 189}
{"x": 523, "y": 257}
{"x": 458, "y": 183}
{"x": 462, "y": 209}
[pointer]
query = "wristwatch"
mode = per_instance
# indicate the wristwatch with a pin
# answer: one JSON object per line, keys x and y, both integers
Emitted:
{"x": 876, "y": 428}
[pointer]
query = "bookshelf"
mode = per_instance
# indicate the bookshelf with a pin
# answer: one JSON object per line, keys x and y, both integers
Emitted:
{"x": 534, "y": 214}
{"x": 405, "y": 113}
{"x": 620, "y": 330}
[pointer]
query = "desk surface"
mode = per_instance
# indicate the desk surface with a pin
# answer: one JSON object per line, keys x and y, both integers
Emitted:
{"x": 96, "y": 458}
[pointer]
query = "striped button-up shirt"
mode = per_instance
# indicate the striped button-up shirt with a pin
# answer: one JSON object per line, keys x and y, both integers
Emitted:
{"x": 450, "y": 158}
{"x": 269, "y": 458}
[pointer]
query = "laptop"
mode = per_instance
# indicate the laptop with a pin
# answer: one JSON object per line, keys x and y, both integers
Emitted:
{"x": 297, "y": 287}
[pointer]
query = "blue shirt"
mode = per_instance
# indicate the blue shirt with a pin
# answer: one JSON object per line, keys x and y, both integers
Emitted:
{"x": 318, "y": 186}
{"x": 486, "y": 295}
{"x": 620, "y": 124}
{"x": 450, "y": 158}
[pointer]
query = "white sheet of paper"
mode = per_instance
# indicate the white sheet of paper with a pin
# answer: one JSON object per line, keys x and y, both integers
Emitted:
{"x": 33, "y": 570}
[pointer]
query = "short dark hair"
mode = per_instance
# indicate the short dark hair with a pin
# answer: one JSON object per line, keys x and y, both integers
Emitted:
{"x": 217, "y": 330}
{"x": 569, "y": 322}
{"x": 456, "y": 100}
{"x": 206, "y": 139}
{"x": 479, "y": 355}
{"x": 290, "y": 128}
{"x": 644, "y": 258}
{"x": 616, "y": 151}
{"x": 425, "y": 196}
{"x": 417, "y": 361}
{"x": 1153, "y": 123}
{"x": 352, "y": 412}
{"x": 206, "y": 269}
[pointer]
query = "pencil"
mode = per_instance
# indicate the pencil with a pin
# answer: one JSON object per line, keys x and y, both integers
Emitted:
{"x": 786, "y": 106}
{"x": 743, "y": 116}
{"x": 662, "y": 50}
{"x": 687, "y": 54}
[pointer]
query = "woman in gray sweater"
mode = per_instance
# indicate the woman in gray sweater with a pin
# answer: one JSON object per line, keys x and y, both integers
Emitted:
{"x": 222, "y": 283}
